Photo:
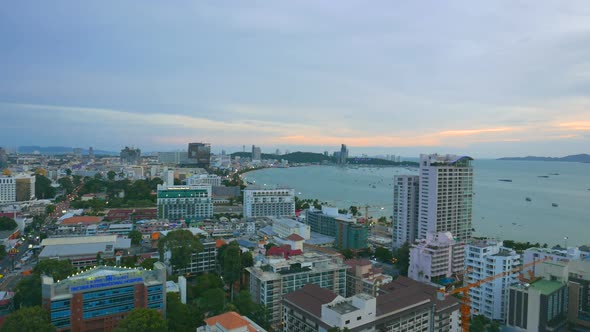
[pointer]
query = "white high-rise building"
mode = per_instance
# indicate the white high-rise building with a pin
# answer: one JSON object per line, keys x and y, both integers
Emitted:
{"x": 209, "y": 179}
{"x": 446, "y": 194}
{"x": 484, "y": 258}
{"x": 260, "y": 202}
{"x": 437, "y": 256}
{"x": 405, "y": 209}
{"x": 7, "y": 189}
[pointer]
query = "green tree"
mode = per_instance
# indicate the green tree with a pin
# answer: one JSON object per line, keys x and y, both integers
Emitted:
{"x": 28, "y": 292}
{"x": 68, "y": 172}
{"x": 353, "y": 210}
{"x": 347, "y": 253}
{"x": 49, "y": 209}
{"x": 142, "y": 320}
{"x": 206, "y": 281}
{"x": 135, "y": 237}
{"x": 58, "y": 269}
{"x": 181, "y": 244}
{"x": 383, "y": 254}
{"x": 7, "y": 224}
{"x": 213, "y": 301}
{"x": 66, "y": 184}
{"x": 148, "y": 263}
{"x": 43, "y": 188}
{"x": 111, "y": 175}
{"x": 244, "y": 303}
{"x": 179, "y": 316}
{"x": 98, "y": 176}
{"x": 402, "y": 255}
{"x": 28, "y": 319}
{"x": 2, "y": 251}
{"x": 232, "y": 266}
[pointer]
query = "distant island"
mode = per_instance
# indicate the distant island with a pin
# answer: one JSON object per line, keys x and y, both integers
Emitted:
{"x": 579, "y": 158}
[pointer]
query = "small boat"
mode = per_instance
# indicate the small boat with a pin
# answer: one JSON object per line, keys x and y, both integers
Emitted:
{"x": 543, "y": 176}
{"x": 553, "y": 173}
{"x": 528, "y": 199}
{"x": 554, "y": 204}
{"x": 505, "y": 180}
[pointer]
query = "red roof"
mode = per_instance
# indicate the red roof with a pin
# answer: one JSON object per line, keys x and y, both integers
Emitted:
{"x": 219, "y": 243}
{"x": 295, "y": 237}
{"x": 284, "y": 251}
{"x": 229, "y": 320}
{"x": 81, "y": 219}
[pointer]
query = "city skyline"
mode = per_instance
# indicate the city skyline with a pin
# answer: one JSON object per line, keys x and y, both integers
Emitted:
{"x": 492, "y": 80}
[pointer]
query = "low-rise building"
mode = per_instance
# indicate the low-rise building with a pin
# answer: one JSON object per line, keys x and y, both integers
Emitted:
{"x": 554, "y": 254}
{"x": 347, "y": 232}
{"x": 439, "y": 255}
{"x": 97, "y": 299}
{"x": 83, "y": 251}
{"x": 363, "y": 277}
{"x": 230, "y": 322}
{"x": 404, "y": 305}
{"x": 276, "y": 276}
{"x": 284, "y": 227}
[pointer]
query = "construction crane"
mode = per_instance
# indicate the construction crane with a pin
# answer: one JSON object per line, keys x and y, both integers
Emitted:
{"x": 466, "y": 301}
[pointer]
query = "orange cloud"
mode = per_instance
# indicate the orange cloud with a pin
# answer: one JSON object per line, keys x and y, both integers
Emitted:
{"x": 576, "y": 125}
{"x": 467, "y": 132}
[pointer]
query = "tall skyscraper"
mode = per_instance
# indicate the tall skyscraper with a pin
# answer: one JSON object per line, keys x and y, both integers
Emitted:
{"x": 130, "y": 155}
{"x": 90, "y": 153}
{"x": 343, "y": 154}
{"x": 256, "y": 153}
{"x": 446, "y": 195}
{"x": 405, "y": 209}
{"x": 199, "y": 154}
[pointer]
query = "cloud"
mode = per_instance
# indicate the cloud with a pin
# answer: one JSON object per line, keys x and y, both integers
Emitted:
{"x": 576, "y": 125}
{"x": 468, "y": 132}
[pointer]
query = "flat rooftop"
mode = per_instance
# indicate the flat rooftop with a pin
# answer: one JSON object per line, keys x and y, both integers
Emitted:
{"x": 547, "y": 287}
{"x": 344, "y": 307}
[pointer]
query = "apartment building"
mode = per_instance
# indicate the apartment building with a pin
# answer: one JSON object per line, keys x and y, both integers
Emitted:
{"x": 446, "y": 195}
{"x": 363, "y": 277}
{"x": 405, "y": 209}
{"x": 184, "y": 202}
{"x": 274, "y": 277}
{"x": 348, "y": 234}
{"x": 7, "y": 189}
{"x": 437, "y": 256}
{"x": 484, "y": 258}
{"x": 260, "y": 202}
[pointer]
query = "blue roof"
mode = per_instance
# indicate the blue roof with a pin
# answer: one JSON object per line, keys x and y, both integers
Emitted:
{"x": 246, "y": 243}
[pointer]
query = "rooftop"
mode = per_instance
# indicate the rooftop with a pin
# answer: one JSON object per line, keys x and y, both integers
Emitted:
{"x": 81, "y": 219}
{"x": 78, "y": 240}
{"x": 311, "y": 298}
{"x": 230, "y": 321}
{"x": 547, "y": 287}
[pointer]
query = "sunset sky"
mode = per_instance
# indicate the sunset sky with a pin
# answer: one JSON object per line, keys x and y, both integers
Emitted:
{"x": 484, "y": 78}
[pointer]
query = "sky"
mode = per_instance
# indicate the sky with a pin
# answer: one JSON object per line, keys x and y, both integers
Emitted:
{"x": 483, "y": 78}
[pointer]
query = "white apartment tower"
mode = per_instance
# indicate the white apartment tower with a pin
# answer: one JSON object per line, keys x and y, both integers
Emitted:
{"x": 260, "y": 202}
{"x": 446, "y": 194}
{"x": 405, "y": 209}
{"x": 7, "y": 189}
{"x": 437, "y": 256}
{"x": 484, "y": 258}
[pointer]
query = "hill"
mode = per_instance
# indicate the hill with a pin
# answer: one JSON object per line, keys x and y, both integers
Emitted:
{"x": 294, "y": 157}
{"x": 580, "y": 158}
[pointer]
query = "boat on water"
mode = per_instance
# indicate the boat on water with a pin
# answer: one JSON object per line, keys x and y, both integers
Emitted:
{"x": 543, "y": 176}
{"x": 528, "y": 199}
{"x": 554, "y": 204}
{"x": 553, "y": 173}
{"x": 505, "y": 180}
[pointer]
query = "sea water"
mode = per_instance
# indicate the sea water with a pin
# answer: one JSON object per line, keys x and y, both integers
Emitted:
{"x": 500, "y": 208}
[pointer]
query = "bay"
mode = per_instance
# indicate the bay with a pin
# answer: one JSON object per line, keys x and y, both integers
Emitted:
{"x": 500, "y": 209}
